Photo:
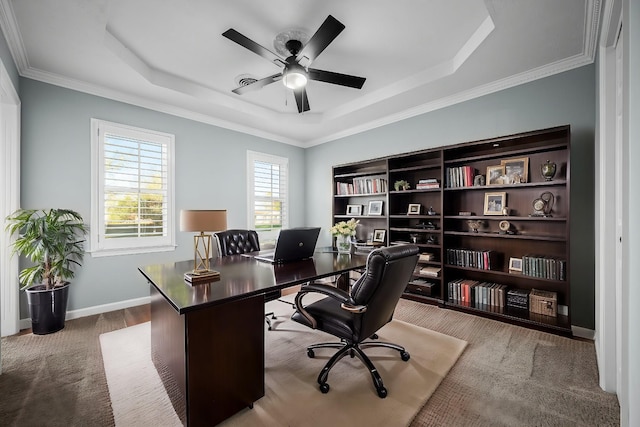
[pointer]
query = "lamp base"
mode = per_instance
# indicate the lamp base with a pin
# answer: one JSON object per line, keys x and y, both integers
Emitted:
{"x": 194, "y": 277}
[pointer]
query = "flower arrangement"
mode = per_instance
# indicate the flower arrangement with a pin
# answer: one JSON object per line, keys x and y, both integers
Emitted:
{"x": 345, "y": 228}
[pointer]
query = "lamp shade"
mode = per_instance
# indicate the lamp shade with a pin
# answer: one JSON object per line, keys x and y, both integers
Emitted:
{"x": 203, "y": 220}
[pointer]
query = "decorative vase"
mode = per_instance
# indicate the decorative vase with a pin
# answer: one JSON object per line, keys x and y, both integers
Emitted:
{"x": 548, "y": 170}
{"x": 343, "y": 243}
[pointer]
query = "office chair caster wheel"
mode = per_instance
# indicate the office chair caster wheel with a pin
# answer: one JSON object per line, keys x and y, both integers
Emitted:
{"x": 382, "y": 392}
{"x": 404, "y": 355}
{"x": 324, "y": 388}
{"x": 374, "y": 337}
{"x": 311, "y": 354}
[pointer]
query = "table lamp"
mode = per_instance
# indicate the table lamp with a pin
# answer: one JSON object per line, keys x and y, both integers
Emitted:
{"x": 201, "y": 221}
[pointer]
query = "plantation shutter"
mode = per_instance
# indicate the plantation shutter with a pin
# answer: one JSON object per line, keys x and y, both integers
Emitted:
{"x": 268, "y": 194}
{"x": 135, "y": 188}
{"x": 132, "y": 209}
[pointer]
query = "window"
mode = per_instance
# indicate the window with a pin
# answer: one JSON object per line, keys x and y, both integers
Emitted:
{"x": 268, "y": 182}
{"x": 132, "y": 190}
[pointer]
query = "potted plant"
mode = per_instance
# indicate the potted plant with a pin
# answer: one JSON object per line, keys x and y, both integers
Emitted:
{"x": 53, "y": 240}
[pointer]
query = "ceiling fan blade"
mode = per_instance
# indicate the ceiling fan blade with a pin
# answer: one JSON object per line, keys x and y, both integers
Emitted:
{"x": 258, "y": 84}
{"x": 328, "y": 31}
{"x": 301, "y": 99}
{"x": 336, "y": 78}
{"x": 254, "y": 47}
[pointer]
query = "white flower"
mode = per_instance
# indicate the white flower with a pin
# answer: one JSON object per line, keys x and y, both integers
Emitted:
{"x": 345, "y": 228}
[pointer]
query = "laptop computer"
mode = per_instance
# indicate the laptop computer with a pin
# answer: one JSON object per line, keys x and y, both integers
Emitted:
{"x": 293, "y": 244}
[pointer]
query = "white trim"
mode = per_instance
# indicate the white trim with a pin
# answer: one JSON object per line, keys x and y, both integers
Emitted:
{"x": 607, "y": 292}
{"x": 96, "y": 309}
{"x": 9, "y": 201}
{"x": 135, "y": 245}
{"x": 581, "y": 332}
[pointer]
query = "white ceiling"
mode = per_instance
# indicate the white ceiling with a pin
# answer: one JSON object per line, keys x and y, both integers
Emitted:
{"x": 417, "y": 55}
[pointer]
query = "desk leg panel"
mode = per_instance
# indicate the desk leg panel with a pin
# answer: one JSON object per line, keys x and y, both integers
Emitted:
{"x": 225, "y": 359}
{"x": 168, "y": 350}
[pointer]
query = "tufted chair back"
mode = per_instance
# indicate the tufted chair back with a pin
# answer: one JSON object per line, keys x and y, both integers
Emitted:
{"x": 233, "y": 242}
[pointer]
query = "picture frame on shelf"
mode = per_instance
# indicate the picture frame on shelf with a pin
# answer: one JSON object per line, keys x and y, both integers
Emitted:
{"x": 379, "y": 235}
{"x": 494, "y": 175}
{"x": 517, "y": 169}
{"x": 375, "y": 208}
{"x": 515, "y": 265}
{"x": 494, "y": 202}
{"x": 354, "y": 210}
{"x": 414, "y": 209}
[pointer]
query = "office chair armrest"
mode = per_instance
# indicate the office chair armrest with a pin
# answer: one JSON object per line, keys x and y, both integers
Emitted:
{"x": 330, "y": 291}
{"x": 353, "y": 308}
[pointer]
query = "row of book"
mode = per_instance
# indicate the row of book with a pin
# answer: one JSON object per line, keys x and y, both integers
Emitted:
{"x": 424, "y": 184}
{"x": 545, "y": 267}
{"x": 483, "y": 260}
{"x": 461, "y": 176}
{"x": 362, "y": 186}
{"x": 473, "y": 293}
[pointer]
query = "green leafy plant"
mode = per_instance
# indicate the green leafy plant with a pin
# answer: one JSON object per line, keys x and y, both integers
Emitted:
{"x": 401, "y": 185}
{"x": 52, "y": 239}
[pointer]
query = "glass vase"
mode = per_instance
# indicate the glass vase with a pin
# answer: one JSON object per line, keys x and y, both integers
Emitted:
{"x": 343, "y": 244}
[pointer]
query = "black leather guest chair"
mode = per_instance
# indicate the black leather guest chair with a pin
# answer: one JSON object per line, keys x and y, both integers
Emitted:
{"x": 234, "y": 242}
{"x": 356, "y": 316}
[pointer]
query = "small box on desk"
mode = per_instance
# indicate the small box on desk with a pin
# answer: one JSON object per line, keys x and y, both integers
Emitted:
{"x": 518, "y": 298}
{"x": 193, "y": 278}
{"x": 543, "y": 302}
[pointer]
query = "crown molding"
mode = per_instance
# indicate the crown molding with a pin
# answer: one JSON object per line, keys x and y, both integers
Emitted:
{"x": 497, "y": 86}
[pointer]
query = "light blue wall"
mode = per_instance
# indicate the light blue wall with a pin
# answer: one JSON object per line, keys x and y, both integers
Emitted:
{"x": 210, "y": 174}
{"x": 567, "y": 98}
{"x": 7, "y": 61}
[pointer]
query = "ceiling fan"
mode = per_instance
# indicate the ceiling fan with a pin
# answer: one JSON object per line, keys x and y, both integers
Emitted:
{"x": 293, "y": 74}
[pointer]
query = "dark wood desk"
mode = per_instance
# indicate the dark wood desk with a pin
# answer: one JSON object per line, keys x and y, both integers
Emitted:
{"x": 207, "y": 340}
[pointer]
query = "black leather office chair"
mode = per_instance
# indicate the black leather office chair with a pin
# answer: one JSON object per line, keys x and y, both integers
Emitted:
{"x": 234, "y": 242}
{"x": 353, "y": 317}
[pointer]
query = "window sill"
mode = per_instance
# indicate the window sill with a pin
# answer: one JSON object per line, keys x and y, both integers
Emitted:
{"x": 98, "y": 253}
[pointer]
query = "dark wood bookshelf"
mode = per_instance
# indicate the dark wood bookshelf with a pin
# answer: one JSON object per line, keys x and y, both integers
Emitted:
{"x": 528, "y": 234}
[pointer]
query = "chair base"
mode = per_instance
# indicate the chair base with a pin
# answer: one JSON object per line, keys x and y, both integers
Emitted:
{"x": 268, "y": 319}
{"x": 355, "y": 349}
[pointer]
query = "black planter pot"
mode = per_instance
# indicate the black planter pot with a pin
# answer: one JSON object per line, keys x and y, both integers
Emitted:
{"x": 48, "y": 308}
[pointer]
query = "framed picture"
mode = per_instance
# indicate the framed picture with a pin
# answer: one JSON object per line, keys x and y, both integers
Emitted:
{"x": 494, "y": 202}
{"x": 354, "y": 209}
{"x": 494, "y": 175}
{"x": 375, "y": 207}
{"x": 379, "y": 235}
{"x": 515, "y": 264}
{"x": 414, "y": 209}
{"x": 516, "y": 169}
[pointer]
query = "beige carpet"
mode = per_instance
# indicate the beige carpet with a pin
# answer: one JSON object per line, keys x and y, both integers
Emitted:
{"x": 292, "y": 396}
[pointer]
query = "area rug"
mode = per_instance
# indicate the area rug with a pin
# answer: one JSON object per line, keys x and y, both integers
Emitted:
{"x": 292, "y": 396}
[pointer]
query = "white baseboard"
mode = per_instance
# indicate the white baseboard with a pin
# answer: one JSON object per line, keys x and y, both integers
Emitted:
{"x": 581, "y": 332}
{"x": 104, "y": 308}
{"x": 96, "y": 309}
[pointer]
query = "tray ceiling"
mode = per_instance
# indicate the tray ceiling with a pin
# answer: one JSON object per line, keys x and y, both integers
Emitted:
{"x": 416, "y": 55}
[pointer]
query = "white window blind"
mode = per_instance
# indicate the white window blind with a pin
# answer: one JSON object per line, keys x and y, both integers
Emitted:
{"x": 133, "y": 200}
{"x": 268, "y": 194}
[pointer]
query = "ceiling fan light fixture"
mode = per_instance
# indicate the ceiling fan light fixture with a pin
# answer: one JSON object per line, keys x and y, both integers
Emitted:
{"x": 294, "y": 77}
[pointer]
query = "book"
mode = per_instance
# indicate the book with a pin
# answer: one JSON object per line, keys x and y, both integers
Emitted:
{"x": 430, "y": 271}
{"x": 209, "y": 276}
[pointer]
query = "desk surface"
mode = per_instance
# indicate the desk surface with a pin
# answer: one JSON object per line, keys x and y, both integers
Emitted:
{"x": 241, "y": 277}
